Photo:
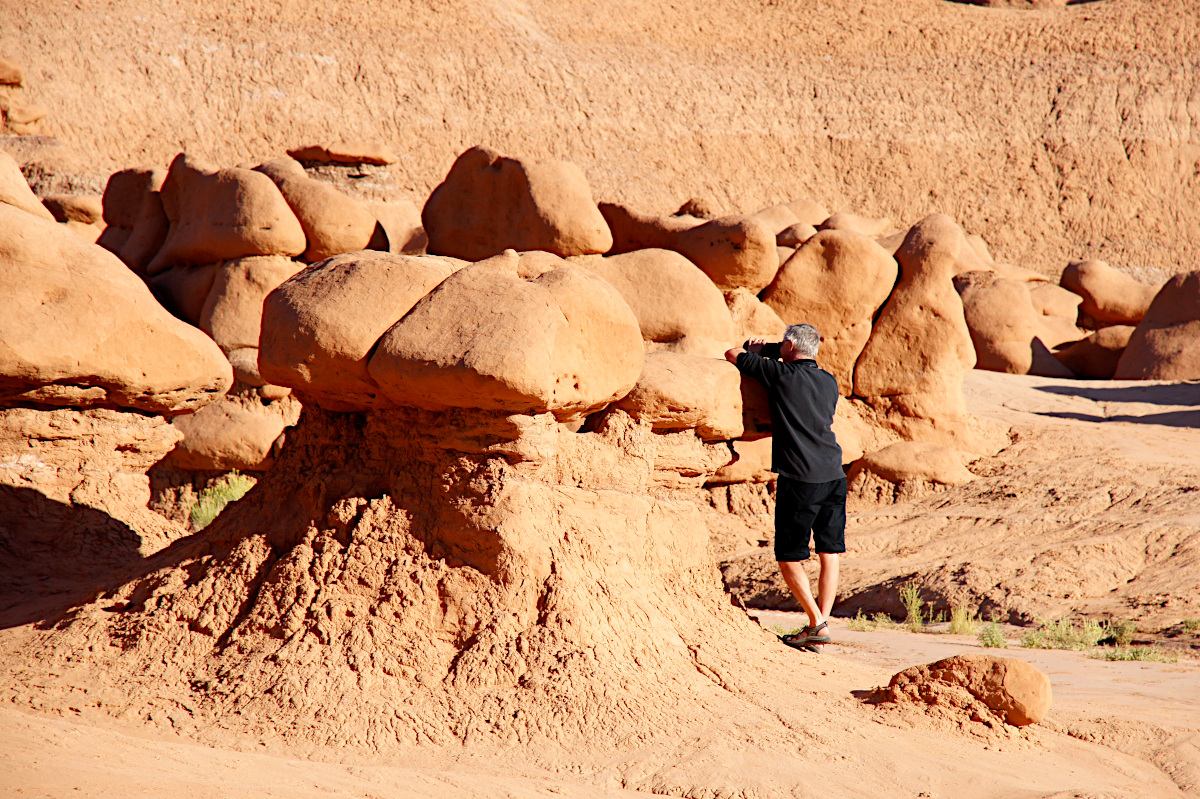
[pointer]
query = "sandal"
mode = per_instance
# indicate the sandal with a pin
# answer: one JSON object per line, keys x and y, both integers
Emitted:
{"x": 807, "y": 636}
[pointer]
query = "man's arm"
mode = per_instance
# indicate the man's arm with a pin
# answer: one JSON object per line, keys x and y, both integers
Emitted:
{"x": 754, "y": 345}
{"x": 749, "y": 361}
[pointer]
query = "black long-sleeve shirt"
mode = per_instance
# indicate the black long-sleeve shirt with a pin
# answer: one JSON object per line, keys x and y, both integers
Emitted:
{"x": 803, "y": 398}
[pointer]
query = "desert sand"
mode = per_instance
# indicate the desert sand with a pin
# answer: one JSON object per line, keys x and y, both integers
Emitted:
{"x": 495, "y": 543}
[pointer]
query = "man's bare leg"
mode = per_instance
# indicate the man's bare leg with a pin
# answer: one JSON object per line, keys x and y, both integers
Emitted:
{"x": 828, "y": 583}
{"x": 797, "y": 580}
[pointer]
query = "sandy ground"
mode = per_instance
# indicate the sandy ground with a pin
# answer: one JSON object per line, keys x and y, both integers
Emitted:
{"x": 1146, "y": 713}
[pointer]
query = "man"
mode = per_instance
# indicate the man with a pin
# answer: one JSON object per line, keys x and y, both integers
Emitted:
{"x": 810, "y": 497}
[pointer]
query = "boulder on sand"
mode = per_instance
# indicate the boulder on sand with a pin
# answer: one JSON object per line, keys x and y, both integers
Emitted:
{"x": 1015, "y": 691}
{"x": 526, "y": 335}
{"x": 1165, "y": 345}
{"x": 1097, "y": 355}
{"x": 78, "y": 328}
{"x": 686, "y": 392}
{"x": 1109, "y": 296}
{"x": 677, "y": 307}
{"x": 319, "y": 326}
{"x": 489, "y": 203}
{"x": 1005, "y": 326}
{"x": 912, "y": 460}
{"x": 222, "y": 214}
{"x": 836, "y": 282}
{"x": 333, "y": 223}
{"x": 920, "y": 349}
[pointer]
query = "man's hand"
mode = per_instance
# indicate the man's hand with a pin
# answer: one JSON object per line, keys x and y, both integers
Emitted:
{"x": 732, "y": 355}
{"x": 755, "y": 345}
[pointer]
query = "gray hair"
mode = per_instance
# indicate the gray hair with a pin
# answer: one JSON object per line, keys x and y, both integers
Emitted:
{"x": 805, "y": 339}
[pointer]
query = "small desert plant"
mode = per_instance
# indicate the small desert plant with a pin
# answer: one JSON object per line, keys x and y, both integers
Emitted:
{"x": 213, "y": 499}
{"x": 1120, "y": 633}
{"x": 883, "y": 620}
{"x": 910, "y": 597}
{"x": 1064, "y": 634}
{"x": 1191, "y": 626}
{"x": 992, "y": 636}
{"x": 860, "y": 622}
{"x": 962, "y": 620}
{"x": 1151, "y": 653}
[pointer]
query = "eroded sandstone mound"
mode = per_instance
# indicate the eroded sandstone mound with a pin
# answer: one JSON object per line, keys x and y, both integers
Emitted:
{"x": 979, "y": 687}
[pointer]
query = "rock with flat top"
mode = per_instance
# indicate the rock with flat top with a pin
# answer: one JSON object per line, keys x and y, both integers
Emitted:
{"x": 345, "y": 152}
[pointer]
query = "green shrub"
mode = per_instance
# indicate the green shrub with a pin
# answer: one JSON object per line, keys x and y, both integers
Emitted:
{"x": 991, "y": 635}
{"x": 1151, "y": 653}
{"x": 962, "y": 620}
{"x": 883, "y": 620}
{"x": 213, "y": 499}
{"x": 1064, "y": 634}
{"x": 1120, "y": 633}
{"x": 860, "y": 622}
{"x": 910, "y": 597}
{"x": 1191, "y": 626}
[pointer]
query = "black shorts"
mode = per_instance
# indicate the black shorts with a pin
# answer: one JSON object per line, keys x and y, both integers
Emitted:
{"x": 802, "y": 509}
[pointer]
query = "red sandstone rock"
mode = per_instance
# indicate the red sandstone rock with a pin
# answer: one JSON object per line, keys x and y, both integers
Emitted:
{"x": 333, "y": 223}
{"x": 319, "y": 327}
{"x": 1016, "y": 691}
{"x": 677, "y": 307}
{"x": 232, "y": 313}
{"x": 1109, "y": 296}
{"x": 685, "y": 392}
{"x": 734, "y": 251}
{"x": 15, "y": 192}
{"x": 490, "y": 338}
{"x": 489, "y": 203}
{"x": 345, "y": 152}
{"x": 836, "y": 282}
{"x": 78, "y": 328}
{"x": 1005, "y": 326}
{"x": 1097, "y": 355}
{"x": 1165, "y": 345}
{"x": 221, "y": 214}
